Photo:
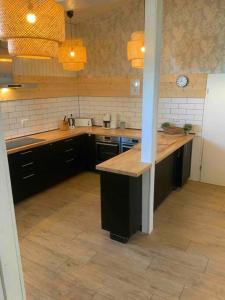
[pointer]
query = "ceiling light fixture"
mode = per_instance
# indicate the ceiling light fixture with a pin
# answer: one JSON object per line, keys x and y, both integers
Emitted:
{"x": 136, "y": 50}
{"x": 33, "y": 28}
{"x": 4, "y": 90}
{"x": 72, "y": 53}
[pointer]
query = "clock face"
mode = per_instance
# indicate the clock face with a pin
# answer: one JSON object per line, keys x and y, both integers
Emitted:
{"x": 182, "y": 81}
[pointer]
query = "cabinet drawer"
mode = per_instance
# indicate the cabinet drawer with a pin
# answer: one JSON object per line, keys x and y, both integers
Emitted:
{"x": 22, "y": 159}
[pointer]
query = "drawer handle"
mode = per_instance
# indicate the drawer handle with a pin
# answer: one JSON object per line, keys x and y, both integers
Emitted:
{"x": 69, "y": 150}
{"x": 29, "y": 164}
{"x": 67, "y": 141}
{"x": 25, "y": 153}
{"x": 29, "y": 176}
{"x": 69, "y": 160}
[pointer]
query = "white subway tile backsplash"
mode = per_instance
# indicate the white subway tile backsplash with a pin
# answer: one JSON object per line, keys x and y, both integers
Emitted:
{"x": 181, "y": 111}
{"x": 44, "y": 114}
{"x": 37, "y": 115}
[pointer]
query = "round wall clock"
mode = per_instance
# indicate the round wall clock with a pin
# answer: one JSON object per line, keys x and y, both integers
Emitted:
{"x": 182, "y": 81}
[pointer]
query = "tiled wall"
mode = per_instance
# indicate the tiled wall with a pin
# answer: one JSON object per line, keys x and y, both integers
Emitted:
{"x": 126, "y": 109}
{"x": 36, "y": 115}
{"x": 186, "y": 110}
{"x": 44, "y": 114}
{"x": 182, "y": 110}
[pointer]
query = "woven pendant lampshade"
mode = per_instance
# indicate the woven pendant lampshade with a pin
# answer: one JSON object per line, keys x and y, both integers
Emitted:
{"x": 33, "y": 28}
{"x": 136, "y": 50}
{"x": 73, "y": 55}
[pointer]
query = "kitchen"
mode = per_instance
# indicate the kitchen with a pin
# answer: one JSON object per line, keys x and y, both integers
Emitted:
{"x": 80, "y": 178}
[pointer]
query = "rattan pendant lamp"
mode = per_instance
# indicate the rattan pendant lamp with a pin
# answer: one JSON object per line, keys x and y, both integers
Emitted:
{"x": 72, "y": 53}
{"x": 136, "y": 50}
{"x": 33, "y": 28}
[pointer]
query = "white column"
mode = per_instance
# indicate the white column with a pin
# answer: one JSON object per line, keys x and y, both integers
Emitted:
{"x": 11, "y": 278}
{"x": 153, "y": 27}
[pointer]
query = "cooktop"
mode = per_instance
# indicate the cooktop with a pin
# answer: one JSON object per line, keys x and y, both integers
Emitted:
{"x": 22, "y": 142}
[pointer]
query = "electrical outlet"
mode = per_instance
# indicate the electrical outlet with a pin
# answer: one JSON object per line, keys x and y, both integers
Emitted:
{"x": 24, "y": 122}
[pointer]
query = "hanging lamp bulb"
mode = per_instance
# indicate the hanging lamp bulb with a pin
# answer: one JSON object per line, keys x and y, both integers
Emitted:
{"x": 136, "y": 50}
{"x": 31, "y": 18}
{"x": 32, "y": 28}
{"x": 72, "y": 53}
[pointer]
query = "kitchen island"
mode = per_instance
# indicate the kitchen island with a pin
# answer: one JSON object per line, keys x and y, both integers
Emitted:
{"x": 121, "y": 183}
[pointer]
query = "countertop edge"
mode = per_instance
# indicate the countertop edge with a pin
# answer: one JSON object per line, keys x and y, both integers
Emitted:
{"x": 73, "y": 133}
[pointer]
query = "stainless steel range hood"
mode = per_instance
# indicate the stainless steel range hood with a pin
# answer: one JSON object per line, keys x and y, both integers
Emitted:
{"x": 7, "y": 79}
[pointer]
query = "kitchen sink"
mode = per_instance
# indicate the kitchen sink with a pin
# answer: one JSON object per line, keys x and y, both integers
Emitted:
{"x": 22, "y": 142}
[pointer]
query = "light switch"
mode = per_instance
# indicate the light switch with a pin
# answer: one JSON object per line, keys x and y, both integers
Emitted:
{"x": 135, "y": 87}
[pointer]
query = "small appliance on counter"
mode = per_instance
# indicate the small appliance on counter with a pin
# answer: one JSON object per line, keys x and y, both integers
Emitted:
{"x": 122, "y": 125}
{"x": 83, "y": 122}
{"x": 107, "y": 121}
{"x": 114, "y": 121}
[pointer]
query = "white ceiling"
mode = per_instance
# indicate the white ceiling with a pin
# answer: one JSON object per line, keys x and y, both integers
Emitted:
{"x": 85, "y": 9}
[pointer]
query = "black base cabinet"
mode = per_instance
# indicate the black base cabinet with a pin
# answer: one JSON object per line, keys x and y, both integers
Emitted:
{"x": 121, "y": 196}
{"x": 183, "y": 164}
{"x": 121, "y": 205}
{"x": 164, "y": 179}
{"x": 25, "y": 172}
{"x": 36, "y": 169}
{"x": 172, "y": 172}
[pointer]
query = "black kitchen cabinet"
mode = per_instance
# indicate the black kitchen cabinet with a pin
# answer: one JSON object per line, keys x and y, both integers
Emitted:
{"x": 89, "y": 151}
{"x": 25, "y": 172}
{"x": 121, "y": 205}
{"x": 164, "y": 179}
{"x": 172, "y": 172}
{"x": 121, "y": 196}
{"x": 183, "y": 164}
{"x": 33, "y": 170}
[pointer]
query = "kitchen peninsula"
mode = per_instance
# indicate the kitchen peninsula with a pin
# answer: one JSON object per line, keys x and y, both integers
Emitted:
{"x": 121, "y": 183}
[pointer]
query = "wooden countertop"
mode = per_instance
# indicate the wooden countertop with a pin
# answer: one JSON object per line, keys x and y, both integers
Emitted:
{"x": 129, "y": 163}
{"x": 57, "y": 135}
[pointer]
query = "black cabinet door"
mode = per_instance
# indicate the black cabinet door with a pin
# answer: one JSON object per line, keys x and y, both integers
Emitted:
{"x": 183, "y": 164}
{"x": 164, "y": 179}
{"x": 25, "y": 173}
{"x": 121, "y": 205}
{"x": 89, "y": 152}
{"x": 61, "y": 160}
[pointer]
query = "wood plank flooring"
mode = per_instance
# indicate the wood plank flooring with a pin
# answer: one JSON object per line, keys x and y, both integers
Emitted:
{"x": 66, "y": 255}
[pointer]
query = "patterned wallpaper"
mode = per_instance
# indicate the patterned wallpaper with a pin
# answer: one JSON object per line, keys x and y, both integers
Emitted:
{"x": 106, "y": 39}
{"x": 193, "y": 40}
{"x": 194, "y": 36}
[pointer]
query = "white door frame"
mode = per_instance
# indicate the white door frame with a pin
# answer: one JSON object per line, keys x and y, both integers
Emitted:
{"x": 153, "y": 28}
{"x": 11, "y": 278}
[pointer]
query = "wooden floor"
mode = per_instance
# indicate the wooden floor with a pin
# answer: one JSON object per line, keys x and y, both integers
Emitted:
{"x": 67, "y": 256}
